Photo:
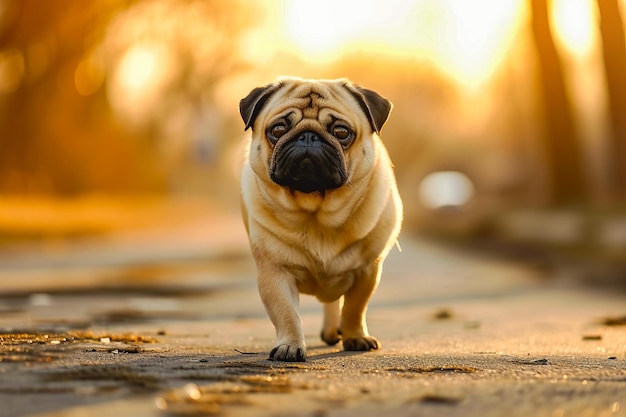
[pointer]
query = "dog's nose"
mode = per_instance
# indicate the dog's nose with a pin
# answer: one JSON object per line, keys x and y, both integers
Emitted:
{"x": 308, "y": 139}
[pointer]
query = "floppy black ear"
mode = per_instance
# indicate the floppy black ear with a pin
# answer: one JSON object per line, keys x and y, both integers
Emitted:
{"x": 251, "y": 105}
{"x": 375, "y": 106}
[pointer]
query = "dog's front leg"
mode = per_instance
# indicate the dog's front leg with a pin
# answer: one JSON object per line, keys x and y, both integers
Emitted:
{"x": 353, "y": 324}
{"x": 279, "y": 294}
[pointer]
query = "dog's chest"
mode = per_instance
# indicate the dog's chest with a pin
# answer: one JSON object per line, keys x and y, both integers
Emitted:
{"x": 326, "y": 268}
{"x": 324, "y": 255}
{"x": 327, "y": 253}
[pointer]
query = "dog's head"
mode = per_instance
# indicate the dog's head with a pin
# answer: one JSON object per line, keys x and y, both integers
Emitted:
{"x": 313, "y": 136}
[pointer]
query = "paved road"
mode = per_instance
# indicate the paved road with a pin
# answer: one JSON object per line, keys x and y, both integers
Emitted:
{"x": 172, "y": 325}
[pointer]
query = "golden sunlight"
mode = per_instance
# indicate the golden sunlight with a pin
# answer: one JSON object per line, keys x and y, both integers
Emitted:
{"x": 325, "y": 28}
{"x": 464, "y": 40}
{"x": 574, "y": 25}
{"x": 138, "y": 68}
{"x": 139, "y": 78}
{"x": 475, "y": 37}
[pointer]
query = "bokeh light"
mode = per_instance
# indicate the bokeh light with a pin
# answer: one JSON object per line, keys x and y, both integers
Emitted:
{"x": 140, "y": 78}
{"x": 446, "y": 189}
{"x": 11, "y": 70}
{"x": 89, "y": 76}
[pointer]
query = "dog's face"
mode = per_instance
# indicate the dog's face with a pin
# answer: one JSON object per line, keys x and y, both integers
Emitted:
{"x": 313, "y": 136}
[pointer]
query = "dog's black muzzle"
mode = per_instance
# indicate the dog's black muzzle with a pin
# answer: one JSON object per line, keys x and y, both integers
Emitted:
{"x": 308, "y": 163}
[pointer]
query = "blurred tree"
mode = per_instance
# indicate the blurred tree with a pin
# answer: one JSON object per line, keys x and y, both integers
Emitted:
{"x": 168, "y": 61}
{"x": 562, "y": 141}
{"x": 58, "y": 62}
{"x": 614, "y": 50}
{"x": 47, "y": 130}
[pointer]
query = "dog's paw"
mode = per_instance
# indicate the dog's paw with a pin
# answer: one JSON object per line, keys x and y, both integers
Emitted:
{"x": 361, "y": 343}
{"x": 288, "y": 353}
{"x": 331, "y": 336}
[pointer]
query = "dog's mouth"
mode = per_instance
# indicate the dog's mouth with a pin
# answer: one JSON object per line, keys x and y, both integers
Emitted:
{"x": 308, "y": 163}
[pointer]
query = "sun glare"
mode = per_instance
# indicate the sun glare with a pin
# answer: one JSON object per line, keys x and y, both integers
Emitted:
{"x": 324, "y": 29}
{"x": 464, "y": 39}
{"x": 574, "y": 22}
{"x": 314, "y": 30}
{"x": 475, "y": 37}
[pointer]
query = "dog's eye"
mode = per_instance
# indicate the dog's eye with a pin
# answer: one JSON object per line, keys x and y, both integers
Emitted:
{"x": 277, "y": 131}
{"x": 341, "y": 132}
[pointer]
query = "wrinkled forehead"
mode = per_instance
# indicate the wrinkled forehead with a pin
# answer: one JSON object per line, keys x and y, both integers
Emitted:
{"x": 312, "y": 97}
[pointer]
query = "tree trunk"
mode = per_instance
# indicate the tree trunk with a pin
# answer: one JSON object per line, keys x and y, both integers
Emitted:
{"x": 562, "y": 143}
{"x": 614, "y": 50}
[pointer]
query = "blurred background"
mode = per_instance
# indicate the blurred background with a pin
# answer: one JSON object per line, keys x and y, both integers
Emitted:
{"x": 508, "y": 131}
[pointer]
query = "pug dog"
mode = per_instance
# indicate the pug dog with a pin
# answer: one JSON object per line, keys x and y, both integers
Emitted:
{"x": 320, "y": 205}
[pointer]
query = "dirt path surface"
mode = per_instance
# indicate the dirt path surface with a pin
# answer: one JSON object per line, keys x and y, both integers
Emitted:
{"x": 171, "y": 325}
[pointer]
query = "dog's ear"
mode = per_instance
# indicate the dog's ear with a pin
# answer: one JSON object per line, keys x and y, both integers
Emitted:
{"x": 251, "y": 105}
{"x": 375, "y": 106}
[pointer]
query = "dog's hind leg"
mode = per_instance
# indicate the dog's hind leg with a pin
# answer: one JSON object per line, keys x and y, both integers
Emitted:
{"x": 331, "y": 330}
